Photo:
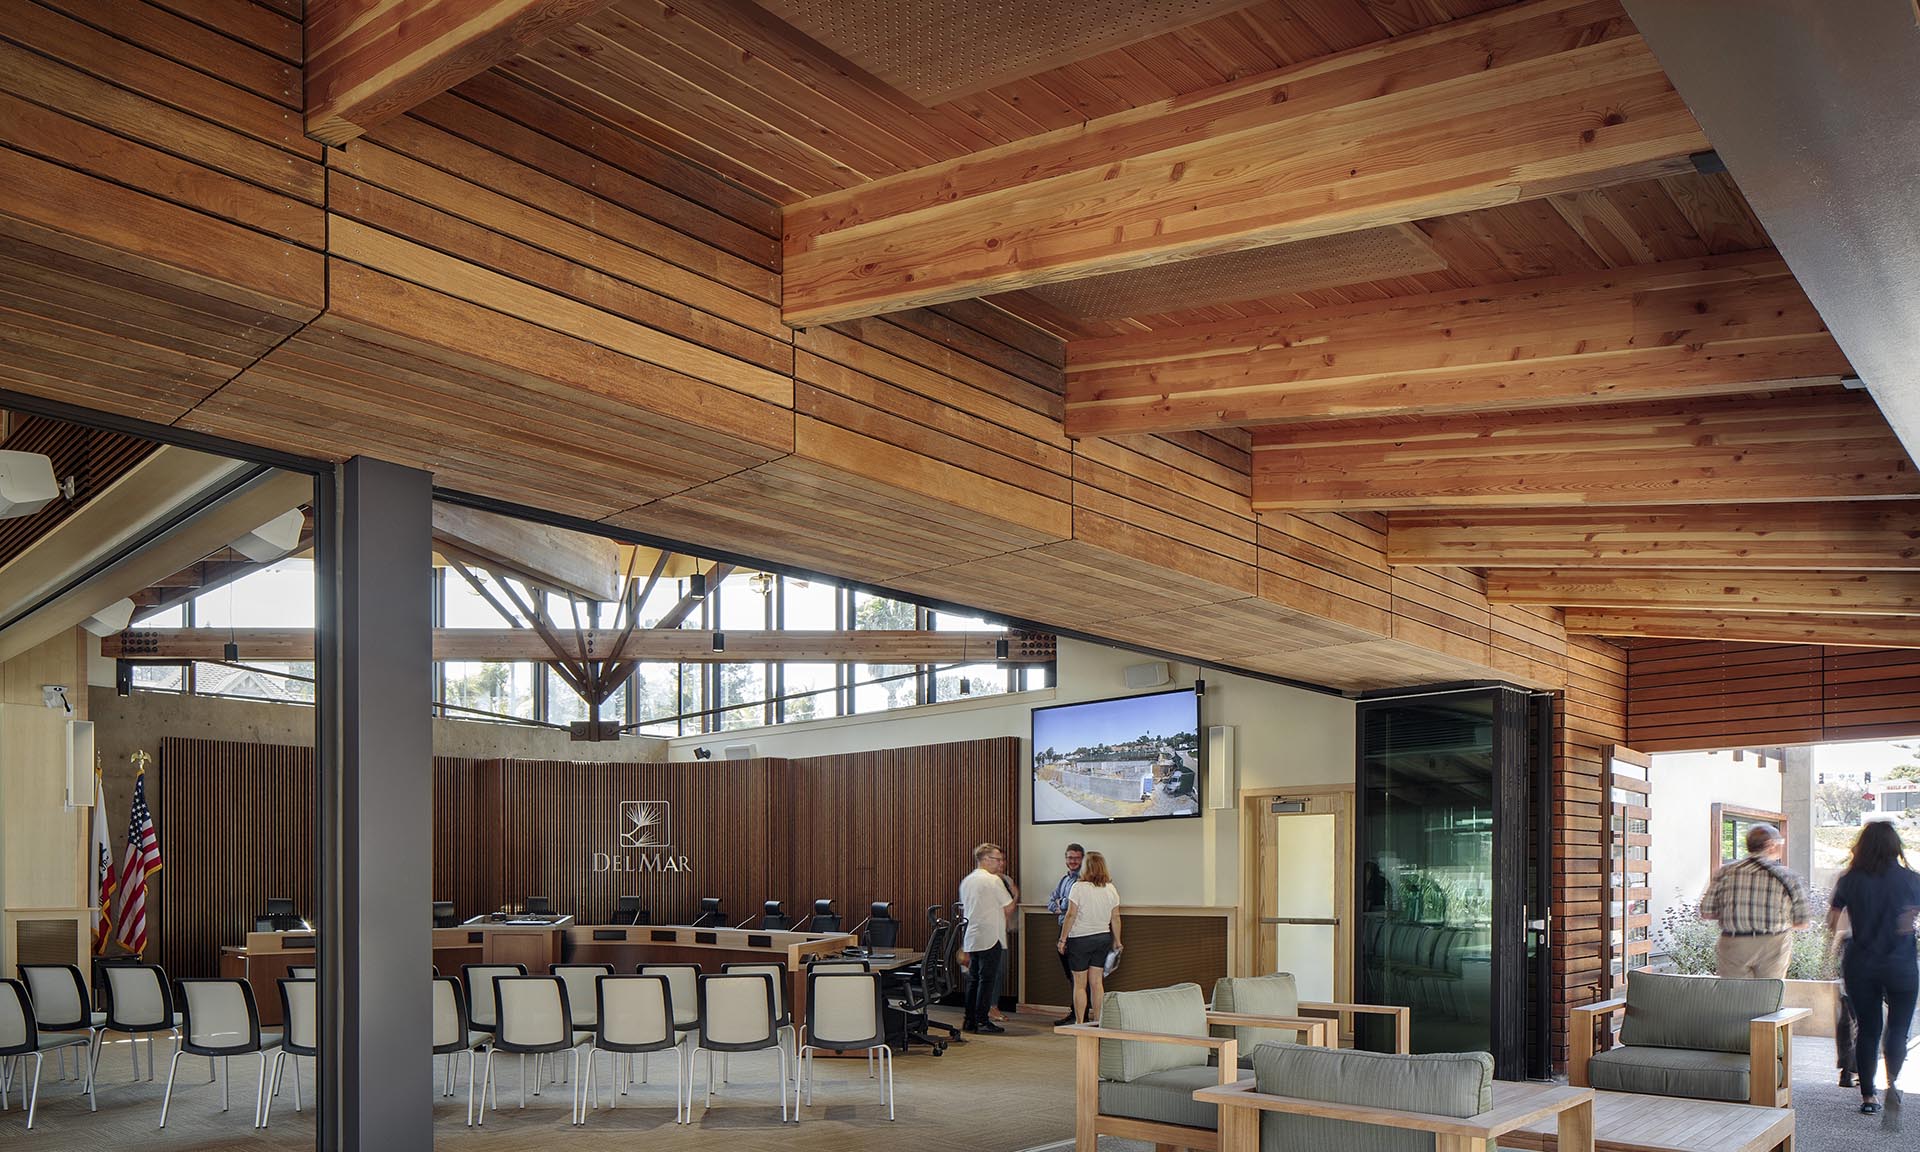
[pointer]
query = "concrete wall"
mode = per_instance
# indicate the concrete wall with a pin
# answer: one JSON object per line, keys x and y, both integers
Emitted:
{"x": 1283, "y": 737}
{"x": 1686, "y": 785}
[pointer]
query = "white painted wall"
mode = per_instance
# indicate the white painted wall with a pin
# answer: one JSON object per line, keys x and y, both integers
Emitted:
{"x": 1686, "y": 785}
{"x": 1283, "y": 737}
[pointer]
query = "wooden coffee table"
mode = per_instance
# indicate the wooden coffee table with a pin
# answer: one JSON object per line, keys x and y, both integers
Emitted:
{"x": 1625, "y": 1122}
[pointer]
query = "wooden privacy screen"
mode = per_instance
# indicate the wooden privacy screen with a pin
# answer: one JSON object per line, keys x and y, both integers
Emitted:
{"x": 1688, "y": 695}
{"x": 1164, "y": 946}
{"x": 895, "y": 825}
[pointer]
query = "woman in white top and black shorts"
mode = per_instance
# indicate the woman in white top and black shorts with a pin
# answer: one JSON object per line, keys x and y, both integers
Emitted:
{"x": 1091, "y": 930}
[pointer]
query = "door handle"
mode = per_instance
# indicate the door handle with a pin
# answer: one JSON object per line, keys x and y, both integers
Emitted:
{"x": 1298, "y": 920}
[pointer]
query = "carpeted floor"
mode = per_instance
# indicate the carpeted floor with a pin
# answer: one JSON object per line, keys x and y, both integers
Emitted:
{"x": 996, "y": 1094}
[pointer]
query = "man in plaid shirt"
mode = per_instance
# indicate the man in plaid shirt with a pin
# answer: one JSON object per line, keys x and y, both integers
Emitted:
{"x": 1759, "y": 903}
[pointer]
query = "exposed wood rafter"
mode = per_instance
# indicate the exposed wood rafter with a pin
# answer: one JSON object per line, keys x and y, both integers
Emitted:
{"x": 1752, "y": 628}
{"x": 1545, "y": 97}
{"x": 1851, "y": 593}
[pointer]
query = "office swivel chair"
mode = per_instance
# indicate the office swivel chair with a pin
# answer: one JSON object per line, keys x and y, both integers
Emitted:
{"x": 710, "y": 914}
{"x": 627, "y": 910}
{"x": 774, "y": 918}
{"x": 882, "y": 929}
{"x": 444, "y": 916}
{"x": 539, "y": 906}
{"x": 825, "y": 919}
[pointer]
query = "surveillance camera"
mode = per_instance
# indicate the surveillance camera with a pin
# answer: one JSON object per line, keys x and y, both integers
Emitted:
{"x": 703, "y": 753}
{"x": 55, "y": 696}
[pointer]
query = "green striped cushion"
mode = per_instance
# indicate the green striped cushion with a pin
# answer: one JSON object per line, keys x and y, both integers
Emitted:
{"x": 1180, "y": 1010}
{"x": 1445, "y": 1084}
{"x": 1701, "y": 1012}
{"x": 1257, "y": 996}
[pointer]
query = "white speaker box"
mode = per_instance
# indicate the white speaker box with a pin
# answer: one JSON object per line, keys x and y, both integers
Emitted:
{"x": 1148, "y": 675}
{"x": 26, "y": 483}
{"x": 738, "y": 752}
{"x": 111, "y": 620}
{"x": 274, "y": 539}
{"x": 1222, "y": 773}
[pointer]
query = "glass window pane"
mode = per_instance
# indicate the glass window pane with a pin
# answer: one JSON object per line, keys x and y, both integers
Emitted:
{"x": 743, "y": 607}
{"x": 491, "y": 687}
{"x": 817, "y": 679}
{"x": 877, "y": 612}
{"x": 899, "y": 689}
{"x": 1035, "y": 676}
{"x": 810, "y": 604}
{"x": 255, "y": 681}
{"x": 564, "y": 705}
{"x": 466, "y": 608}
{"x": 277, "y": 596}
{"x": 692, "y": 692}
{"x": 160, "y": 677}
{"x": 742, "y": 684}
{"x": 658, "y": 689}
{"x": 174, "y": 617}
{"x": 952, "y": 622}
{"x": 982, "y": 680}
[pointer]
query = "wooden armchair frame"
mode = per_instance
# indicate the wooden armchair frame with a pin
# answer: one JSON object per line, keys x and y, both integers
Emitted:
{"x": 1344, "y": 1015}
{"x": 1769, "y": 1049}
{"x": 1088, "y": 1122}
{"x": 1514, "y": 1106}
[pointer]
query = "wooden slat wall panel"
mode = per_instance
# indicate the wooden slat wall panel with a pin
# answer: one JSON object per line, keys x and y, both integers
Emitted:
{"x": 160, "y": 207}
{"x": 1590, "y": 717}
{"x": 1712, "y": 694}
{"x": 94, "y": 457}
{"x": 236, "y": 826}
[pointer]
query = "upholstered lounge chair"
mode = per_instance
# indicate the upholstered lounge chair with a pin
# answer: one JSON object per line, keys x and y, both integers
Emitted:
{"x": 1698, "y": 1037}
{"x": 1276, "y": 995}
{"x": 1308, "y": 1099}
{"x": 1135, "y": 1073}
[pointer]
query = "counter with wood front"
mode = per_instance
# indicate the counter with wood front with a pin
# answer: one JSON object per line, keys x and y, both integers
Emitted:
{"x": 626, "y": 947}
{"x": 266, "y": 957}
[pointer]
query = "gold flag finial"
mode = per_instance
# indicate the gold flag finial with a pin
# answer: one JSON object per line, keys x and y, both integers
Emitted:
{"x": 140, "y": 760}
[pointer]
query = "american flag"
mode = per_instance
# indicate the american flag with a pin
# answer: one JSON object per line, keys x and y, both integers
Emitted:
{"x": 142, "y": 860}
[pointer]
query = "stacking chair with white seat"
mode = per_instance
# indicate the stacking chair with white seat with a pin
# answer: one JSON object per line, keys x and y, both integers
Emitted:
{"x": 634, "y": 1016}
{"x": 739, "y": 1013}
{"x": 582, "y": 1000}
{"x": 533, "y": 1021}
{"x": 683, "y": 981}
{"x": 781, "y": 1013}
{"x": 219, "y": 1020}
{"x": 451, "y": 1036}
{"x": 139, "y": 1003}
{"x": 20, "y": 1037}
{"x": 844, "y": 1014}
{"x": 839, "y": 966}
{"x": 61, "y": 1004}
{"x": 302, "y": 972}
{"x": 482, "y": 1011}
{"x": 299, "y": 1013}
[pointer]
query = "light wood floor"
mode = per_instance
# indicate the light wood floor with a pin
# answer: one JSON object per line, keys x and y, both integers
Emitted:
{"x": 995, "y": 1094}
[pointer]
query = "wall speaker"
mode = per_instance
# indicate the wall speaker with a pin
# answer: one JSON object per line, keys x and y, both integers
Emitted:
{"x": 276, "y": 538}
{"x": 1148, "y": 675}
{"x": 1222, "y": 773}
{"x": 111, "y": 620}
{"x": 738, "y": 751}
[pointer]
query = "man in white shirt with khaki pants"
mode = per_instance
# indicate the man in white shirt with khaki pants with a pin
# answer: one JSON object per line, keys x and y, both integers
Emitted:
{"x": 987, "y": 901}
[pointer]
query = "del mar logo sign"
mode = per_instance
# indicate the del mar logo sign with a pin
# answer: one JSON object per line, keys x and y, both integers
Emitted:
{"x": 644, "y": 830}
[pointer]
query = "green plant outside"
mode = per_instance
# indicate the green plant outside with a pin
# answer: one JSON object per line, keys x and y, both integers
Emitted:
{"x": 1690, "y": 941}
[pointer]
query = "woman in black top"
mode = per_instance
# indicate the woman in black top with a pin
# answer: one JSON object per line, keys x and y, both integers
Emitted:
{"x": 1880, "y": 895}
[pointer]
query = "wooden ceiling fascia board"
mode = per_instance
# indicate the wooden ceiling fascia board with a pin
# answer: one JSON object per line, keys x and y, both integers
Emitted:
{"x": 1184, "y": 178}
{"x": 1681, "y": 328}
{"x": 1830, "y": 630}
{"x": 1744, "y": 590}
{"x": 370, "y": 60}
{"x": 1869, "y": 535}
{"x": 1790, "y": 447}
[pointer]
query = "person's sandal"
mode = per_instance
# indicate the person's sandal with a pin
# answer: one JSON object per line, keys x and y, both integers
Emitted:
{"x": 1869, "y": 1106}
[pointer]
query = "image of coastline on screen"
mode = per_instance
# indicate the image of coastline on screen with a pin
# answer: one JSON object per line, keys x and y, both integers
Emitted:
{"x": 1129, "y": 758}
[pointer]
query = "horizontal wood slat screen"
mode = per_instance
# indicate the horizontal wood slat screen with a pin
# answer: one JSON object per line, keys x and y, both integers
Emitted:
{"x": 1700, "y": 695}
{"x": 236, "y": 825}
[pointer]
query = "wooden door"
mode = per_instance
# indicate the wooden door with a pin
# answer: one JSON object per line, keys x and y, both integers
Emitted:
{"x": 1626, "y": 915}
{"x": 1298, "y": 887}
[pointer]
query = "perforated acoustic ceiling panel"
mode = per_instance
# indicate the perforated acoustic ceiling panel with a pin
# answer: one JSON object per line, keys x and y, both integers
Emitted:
{"x": 934, "y": 50}
{"x": 1255, "y": 274}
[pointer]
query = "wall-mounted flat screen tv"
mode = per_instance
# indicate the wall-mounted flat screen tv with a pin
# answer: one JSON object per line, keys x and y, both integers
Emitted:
{"x": 1129, "y": 758}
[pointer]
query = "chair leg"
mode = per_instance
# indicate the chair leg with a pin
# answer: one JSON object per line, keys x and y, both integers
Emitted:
{"x": 783, "y": 1082}
{"x": 226, "y": 1082}
{"x": 260, "y": 1099}
{"x": 469, "y": 1087}
{"x": 886, "y": 1065}
{"x": 93, "y": 1102}
{"x": 166, "y": 1097}
{"x": 33, "y": 1097}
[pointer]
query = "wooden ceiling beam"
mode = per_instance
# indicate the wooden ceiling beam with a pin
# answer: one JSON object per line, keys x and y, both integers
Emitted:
{"x": 555, "y": 558}
{"x": 370, "y": 60}
{"x": 1795, "y": 446}
{"x": 1849, "y": 593}
{"x": 1876, "y": 534}
{"x": 1680, "y": 328}
{"x": 672, "y": 645}
{"x": 1527, "y": 101}
{"x": 1748, "y": 627}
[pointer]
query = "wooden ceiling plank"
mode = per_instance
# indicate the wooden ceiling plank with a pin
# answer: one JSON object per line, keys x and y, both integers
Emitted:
{"x": 1873, "y": 535}
{"x": 1809, "y": 445}
{"x": 1834, "y": 630}
{"x": 1193, "y": 176}
{"x": 370, "y": 60}
{"x": 1744, "y": 590}
{"x": 552, "y": 557}
{"x": 1680, "y": 328}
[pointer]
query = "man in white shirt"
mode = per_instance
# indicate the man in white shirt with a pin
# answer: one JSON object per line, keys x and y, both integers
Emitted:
{"x": 987, "y": 901}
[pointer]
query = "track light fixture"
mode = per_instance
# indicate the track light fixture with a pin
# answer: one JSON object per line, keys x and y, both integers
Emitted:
{"x": 966, "y": 686}
{"x": 697, "y": 585}
{"x": 719, "y": 641}
{"x": 1000, "y": 649}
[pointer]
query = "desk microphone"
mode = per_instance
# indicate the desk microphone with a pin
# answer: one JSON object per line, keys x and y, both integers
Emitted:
{"x": 747, "y": 921}
{"x": 855, "y": 933}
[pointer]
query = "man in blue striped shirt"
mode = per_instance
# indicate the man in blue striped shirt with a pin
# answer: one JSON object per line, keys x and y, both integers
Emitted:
{"x": 1057, "y": 904}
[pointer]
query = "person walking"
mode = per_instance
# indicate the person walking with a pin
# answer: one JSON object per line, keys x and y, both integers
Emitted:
{"x": 1057, "y": 904}
{"x": 1759, "y": 903}
{"x": 988, "y": 904}
{"x": 1091, "y": 930}
{"x": 1880, "y": 894}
